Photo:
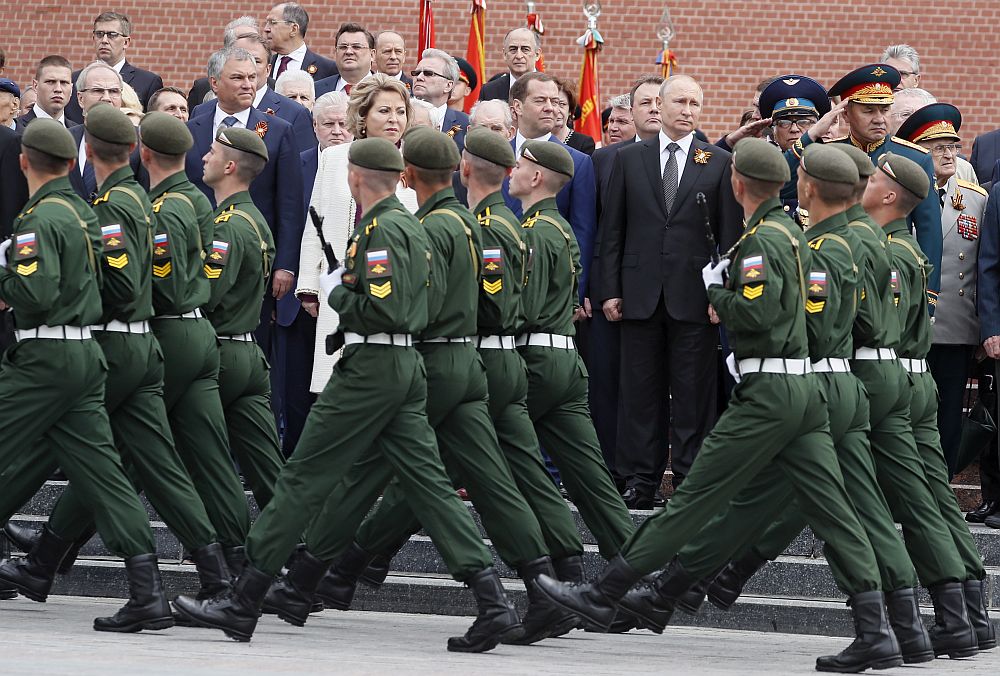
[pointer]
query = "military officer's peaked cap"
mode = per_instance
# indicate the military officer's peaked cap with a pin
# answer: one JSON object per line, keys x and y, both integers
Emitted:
{"x": 50, "y": 137}
{"x": 165, "y": 134}
{"x": 826, "y": 163}
{"x": 756, "y": 158}
{"x": 906, "y": 173}
{"x": 242, "y": 139}
{"x": 467, "y": 72}
{"x": 107, "y": 123}
{"x": 428, "y": 148}
{"x": 792, "y": 96}
{"x": 552, "y": 156}
{"x": 376, "y": 153}
{"x": 860, "y": 158}
{"x": 934, "y": 121}
{"x": 871, "y": 84}
{"x": 489, "y": 146}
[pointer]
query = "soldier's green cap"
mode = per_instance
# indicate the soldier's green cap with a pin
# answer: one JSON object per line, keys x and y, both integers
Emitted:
{"x": 428, "y": 148}
{"x": 109, "y": 124}
{"x": 550, "y": 155}
{"x": 490, "y": 146}
{"x": 861, "y": 160}
{"x": 903, "y": 171}
{"x": 165, "y": 134}
{"x": 50, "y": 137}
{"x": 375, "y": 153}
{"x": 825, "y": 163}
{"x": 242, "y": 139}
{"x": 756, "y": 158}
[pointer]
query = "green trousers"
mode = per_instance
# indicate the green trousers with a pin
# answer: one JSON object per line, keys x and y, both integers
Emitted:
{"x": 777, "y": 419}
{"x": 134, "y": 401}
{"x": 376, "y": 392}
{"x": 53, "y": 414}
{"x": 923, "y": 415}
{"x": 457, "y": 410}
{"x": 245, "y": 391}
{"x": 770, "y": 497}
{"x": 560, "y": 412}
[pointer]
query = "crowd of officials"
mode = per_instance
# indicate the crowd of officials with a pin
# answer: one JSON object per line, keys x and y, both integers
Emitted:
{"x": 258, "y": 281}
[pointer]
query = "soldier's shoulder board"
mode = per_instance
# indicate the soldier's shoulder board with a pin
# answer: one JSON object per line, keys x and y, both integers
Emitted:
{"x": 969, "y": 185}
{"x": 909, "y": 144}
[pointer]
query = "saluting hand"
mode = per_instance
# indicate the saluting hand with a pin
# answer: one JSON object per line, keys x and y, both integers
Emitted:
{"x": 818, "y": 130}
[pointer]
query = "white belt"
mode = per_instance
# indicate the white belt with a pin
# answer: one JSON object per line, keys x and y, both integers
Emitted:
{"x": 193, "y": 314}
{"x": 54, "y": 333}
{"x": 119, "y": 326}
{"x": 239, "y": 337}
{"x": 546, "y": 340}
{"x": 394, "y": 339}
{"x": 914, "y": 365}
{"x": 875, "y": 353}
{"x": 495, "y": 342}
{"x": 795, "y": 367}
{"x": 831, "y": 365}
{"x": 445, "y": 339}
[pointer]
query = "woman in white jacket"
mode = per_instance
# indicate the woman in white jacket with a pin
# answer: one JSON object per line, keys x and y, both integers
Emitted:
{"x": 379, "y": 107}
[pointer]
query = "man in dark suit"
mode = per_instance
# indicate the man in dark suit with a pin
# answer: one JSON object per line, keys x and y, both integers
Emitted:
{"x": 53, "y": 83}
{"x": 433, "y": 80}
{"x": 355, "y": 57}
{"x": 13, "y": 187}
{"x": 653, "y": 246}
{"x": 285, "y": 32}
{"x": 390, "y": 56}
{"x": 277, "y": 190}
{"x": 986, "y": 155}
{"x": 269, "y": 101}
{"x": 112, "y": 32}
{"x": 521, "y": 48}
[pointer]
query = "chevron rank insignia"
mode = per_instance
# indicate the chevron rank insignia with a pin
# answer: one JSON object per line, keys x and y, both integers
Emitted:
{"x": 752, "y": 269}
{"x": 27, "y": 268}
{"x": 378, "y": 265}
{"x": 219, "y": 254}
{"x": 493, "y": 261}
{"x": 212, "y": 272}
{"x": 817, "y": 284}
{"x": 25, "y": 246}
{"x": 161, "y": 247}
{"x": 162, "y": 270}
{"x": 753, "y": 292}
{"x": 494, "y": 287}
{"x": 113, "y": 237}
{"x": 380, "y": 290}
{"x": 815, "y": 306}
{"x": 117, "y": 262}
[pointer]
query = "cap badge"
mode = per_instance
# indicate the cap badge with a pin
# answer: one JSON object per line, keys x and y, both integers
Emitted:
{"x": 879, "y": 71}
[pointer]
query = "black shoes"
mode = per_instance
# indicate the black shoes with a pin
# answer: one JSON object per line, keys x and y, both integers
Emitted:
{"x": 33, "y": 575}
{"x": 213, "y": 574}
{"x": 291, "y": 597}
{"x": 147, "y": 607}
{"x": 728, "y": 584}
{"x": 236, "y": 612}
{"x": 952, "y": 633}
{"x": 376, "y": 572}
{"x": 636, "y": 498}
{"x": 597, "y": 602}
{"x": 22, "y": 537}
{"x": 236, "y": 559}
{"x": 497, "y": 621}
{"x": 992, "y": 521}
{"x": 336, "y": 588}
{"x": 543, "y": 618}
{"x": 987, "y": 509}
{"x": 652, "y": 604}
{"x": 975, "y": 605}
{"x": 904, "y": 616}
{"x": 874, "y": 646}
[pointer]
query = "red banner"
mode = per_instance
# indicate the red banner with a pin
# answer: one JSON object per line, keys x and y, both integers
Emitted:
{"x": 475, "y": 52}
{"x": 589, "y": 97}
{"x": 535, "y": 24}
{"x": 427, "y": 37}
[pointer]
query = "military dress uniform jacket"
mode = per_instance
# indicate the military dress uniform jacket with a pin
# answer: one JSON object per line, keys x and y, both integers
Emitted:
{"x": 504, "y": 268}
{"x": 911, "y": 270}
{"x": 955, "y": 319}
{"x": 552, "y": 253}
{"x": 877, "y": 324}
{"x": 832, "y": 289}
{"x": 179, "y": 281}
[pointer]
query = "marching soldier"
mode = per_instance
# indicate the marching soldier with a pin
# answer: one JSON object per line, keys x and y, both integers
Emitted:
{"x": 374, "y": 404}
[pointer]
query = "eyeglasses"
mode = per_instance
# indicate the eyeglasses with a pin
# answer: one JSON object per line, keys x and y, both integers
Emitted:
{"x": 949, "y": 147}
{"x": 427, "y": 72}
{"x": 113, "y": 92}
{"x": 800, "y": 122}
{"x": 274, "y": 22}
{"x": 356, "y": 47}
{"x": 907, "y": 73}
{"x": 110, "y": 35}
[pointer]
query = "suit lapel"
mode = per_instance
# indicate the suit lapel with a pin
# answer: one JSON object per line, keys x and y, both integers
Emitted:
{"x": 128, "y": 72}
{"x": 949, "y": 214}
{"x": 269, "y": 100}
{"x": 651, "y": 160}
{"x": 691, "y": 173}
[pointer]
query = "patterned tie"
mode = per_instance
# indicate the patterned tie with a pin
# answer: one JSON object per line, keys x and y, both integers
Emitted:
{"x": 284, "y": 65}
{"x": 670, "y": 177}
{"x": 229, "y": 121}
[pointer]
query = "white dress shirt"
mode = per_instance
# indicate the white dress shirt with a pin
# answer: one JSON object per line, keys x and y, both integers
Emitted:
{"x": 437, "y": 116}
{"x": 298, "y": 57}
{"x": 259, "y": 96}
{"x": 680, "y": 155}
{"x": 118, "y": 66}
{"x": 41, "y": 113}
{"x": 519, "y": 140}
{"x": 242, "y": 119}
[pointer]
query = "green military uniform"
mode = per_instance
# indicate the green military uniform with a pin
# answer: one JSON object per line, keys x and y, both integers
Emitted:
{"x": 237, "y": 266}
{"x": 375, "y": 403}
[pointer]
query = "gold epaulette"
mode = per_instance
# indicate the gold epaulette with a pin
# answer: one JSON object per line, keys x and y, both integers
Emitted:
{"x": 972, "y": 186}
{"x": 909, "y": 144}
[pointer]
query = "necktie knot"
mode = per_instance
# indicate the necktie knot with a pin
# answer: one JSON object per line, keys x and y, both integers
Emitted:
{"x": 283, "y": 65}
{"x": 673, "y": 148}
{"x": 229, "y": 121}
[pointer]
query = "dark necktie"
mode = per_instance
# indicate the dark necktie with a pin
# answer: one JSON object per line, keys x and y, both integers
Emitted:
{"x": 229, "y": 121}
{"x": 284, "y": 65}
{"x": 941, "y": 194}
{"x": 670, "y": 177}
{"x": 89, "y": 181}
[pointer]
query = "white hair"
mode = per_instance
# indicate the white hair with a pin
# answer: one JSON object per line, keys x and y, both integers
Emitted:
{"x": 623, "y": 101}
{"x": 292, "y": 77}
{"x": 451, "y": 69}
{"x": 230, "y": 35}
{"x": 330, "y": 100}
{"x": 81, "y": 80}
{"x": 903, "y": 53}
{"x": 926, "y": 98}
{"x": 508, "y": 117}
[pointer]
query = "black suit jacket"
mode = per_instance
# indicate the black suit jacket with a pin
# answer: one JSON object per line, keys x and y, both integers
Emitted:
{"x": 644, "y": 253}
{"x": 76, "y": 178}
{"x": 604, "y": 161}
{"x": 497, "y": 88}
{"x": 985, "y": 153}
{"x": 273, "y": 103}
{"x": 201, "y": 87}
{"x": 315, "y": 64}
{"x": 13, "y": 186}
{"x": 21, "y": 123}
{"x": 144, "y": 82}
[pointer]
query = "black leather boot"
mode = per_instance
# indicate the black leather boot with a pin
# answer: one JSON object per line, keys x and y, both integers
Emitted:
{"x": 22, "y": 537}
{"x": 597, "y": 602}
{"x": 569, "y": 568}
{"x": 213, "y": 574}
{"x": 652, "y": 603}
{"x": 235, "y": 613}
{"x": 543, "y": 618}
{"x": 975, "y": 605}
{"x": 985, "y": 510}
{"x": 33, "y": 575}
{"x": 904, "y": 616}
{"x": 874, "y": 646}
{"x": 376, "y": 572}
{"x": 497, "y": 620}
{"x": 728, "y": 584}
{"x": 336, "y": 588}
{"x": 690, "y": 602}
{"x": 147, "y": 606}
{"x": 952, "y": 633}
{"x": 291, "y": 597}
{"x": 236, "y": 559}
{"x": 66, "y": 565}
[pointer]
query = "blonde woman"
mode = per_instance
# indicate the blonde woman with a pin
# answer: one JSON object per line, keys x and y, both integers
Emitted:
{"x": 131, "y": 105}
{"x": 379, "y": 107}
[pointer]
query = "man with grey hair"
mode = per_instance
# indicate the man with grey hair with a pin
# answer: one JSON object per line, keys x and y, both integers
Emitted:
{"x": 521, "y": 48}
{"x": 620, "y": 124}
{"x": 492, "y": 114}
{"x": 95, "y": 83}
{"x": 112, "y": 37}
{"x": 905, "y": 59}
{"x": 298, "y": 86}
{"x": 285, "y": 31}
{"x": 240, "y": 27}
{"x": 433, "y": 80}
{"x": 905, "y": 103}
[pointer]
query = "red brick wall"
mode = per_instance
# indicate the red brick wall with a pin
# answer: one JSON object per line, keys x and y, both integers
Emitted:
{"x": 727, "y": 46}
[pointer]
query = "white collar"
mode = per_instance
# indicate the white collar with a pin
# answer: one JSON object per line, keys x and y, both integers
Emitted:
{"x": 298, "y": 55}
{"x": 341, "y": 83}
{"x": 520, "y": 138}
{"x": 259, "y": 96}
{"x": 118, "y": 66}
{"x": 243, "y": 116}
{"x": 684, "y": 142}
{"x": 12, "y": 124}
{"x": 438, "y": 115}
{"x": 41, "y": 113}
